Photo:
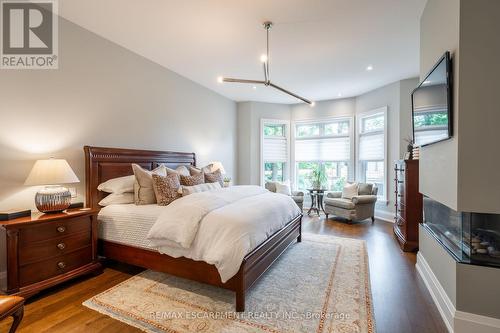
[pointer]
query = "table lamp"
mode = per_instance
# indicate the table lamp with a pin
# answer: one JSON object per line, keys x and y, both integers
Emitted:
{"x": 51, "y": 173}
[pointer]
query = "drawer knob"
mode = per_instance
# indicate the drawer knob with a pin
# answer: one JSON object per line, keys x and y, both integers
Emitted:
{"x": 61, "y": 229}
{"x": 61, "y": 246}
{"x": 61, "y": 264}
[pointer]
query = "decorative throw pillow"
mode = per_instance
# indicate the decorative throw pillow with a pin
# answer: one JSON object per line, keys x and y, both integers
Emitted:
{"x": 214, "y": 177}
{"x": 166, "y": 188}
{"x": 180, "y": 170}
{"x": 192, "y": 180}
{"x": 365, "y": 189}
{"x": 117, "y": 198}
{"x": 118, "y": 185}
{"x": 283, "y": 188}
{"x": 350, "y": 190}
{"x": 187, "y": 190}
{"x": 194, "y": 171}
{"x": 143, "y": 186}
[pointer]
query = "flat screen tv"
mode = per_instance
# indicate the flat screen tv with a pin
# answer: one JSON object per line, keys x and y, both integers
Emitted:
{"x": 432, "y": 105}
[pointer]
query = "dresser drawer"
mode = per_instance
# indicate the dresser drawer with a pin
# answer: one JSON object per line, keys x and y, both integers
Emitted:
{"x": 43, "y": 270}
{"x": 37, "y": 251}
{"x": 54, "y": 229}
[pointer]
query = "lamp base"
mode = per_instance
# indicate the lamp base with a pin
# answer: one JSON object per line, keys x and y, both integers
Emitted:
{"x": 53, "y": 199}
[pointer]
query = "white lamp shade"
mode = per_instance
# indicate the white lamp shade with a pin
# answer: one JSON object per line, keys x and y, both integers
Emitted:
{"x": 51, "y": 172}
{"x": 218, "y": 166}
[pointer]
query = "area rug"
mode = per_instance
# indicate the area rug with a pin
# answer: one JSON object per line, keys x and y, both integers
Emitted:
{"x": 319, "y": 285}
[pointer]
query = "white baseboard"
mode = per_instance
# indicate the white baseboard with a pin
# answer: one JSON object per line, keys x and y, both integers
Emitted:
{"x": 455, "y": 321}
{"x": 384, "y": 216}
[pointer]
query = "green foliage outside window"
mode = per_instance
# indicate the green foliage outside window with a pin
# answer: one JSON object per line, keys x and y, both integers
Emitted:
{"x": 431, "y": 119}
{"x": 274, "y": 130}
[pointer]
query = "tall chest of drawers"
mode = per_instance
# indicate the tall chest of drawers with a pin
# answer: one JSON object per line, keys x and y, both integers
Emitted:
{"x": 43, "y": 250}
{"x": 408, "y": 204}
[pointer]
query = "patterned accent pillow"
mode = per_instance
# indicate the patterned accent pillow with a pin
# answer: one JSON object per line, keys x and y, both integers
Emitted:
{"x": 143, "y": 185}
{"x": 192, "y": 180}
{"x": 166, "y": 188}
{"x": 214, "y": 177}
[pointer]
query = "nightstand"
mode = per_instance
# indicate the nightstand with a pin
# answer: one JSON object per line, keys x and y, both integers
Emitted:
{"x": 43, "y": 250}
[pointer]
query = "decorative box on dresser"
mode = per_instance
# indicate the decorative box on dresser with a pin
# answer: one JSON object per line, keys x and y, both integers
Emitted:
{"x": 408, "y": 204}
{"x": 43, "y": 250}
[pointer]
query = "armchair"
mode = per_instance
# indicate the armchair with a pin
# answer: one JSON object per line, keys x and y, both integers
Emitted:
{"x": 297, "y": 196}
{"x": 358, "y": 208}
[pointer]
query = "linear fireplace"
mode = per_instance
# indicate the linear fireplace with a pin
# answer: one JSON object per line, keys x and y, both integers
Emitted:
{"x": 472, "y": 238}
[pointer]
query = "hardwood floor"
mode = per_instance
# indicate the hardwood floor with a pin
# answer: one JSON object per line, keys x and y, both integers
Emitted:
{"x": 401, "y": 301}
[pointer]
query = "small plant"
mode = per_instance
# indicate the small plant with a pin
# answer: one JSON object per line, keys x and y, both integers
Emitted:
{"x": 410, "y": 146}
{"x": 227, "y": 179}
{"x": 318, "y": 177}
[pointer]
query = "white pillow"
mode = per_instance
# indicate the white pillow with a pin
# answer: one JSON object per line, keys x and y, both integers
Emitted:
{"x": 350, "y": 190}
{"x": 117, "y": 198}
{"x": 284, "y": 188}
{"x": 187, "y": 190}
{"x": 181, "y": 170}
{"x": 118, "y": 185}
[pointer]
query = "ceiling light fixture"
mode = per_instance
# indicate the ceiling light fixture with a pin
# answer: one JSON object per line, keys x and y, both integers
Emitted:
{"x": 267, "y": 81}
{"x": 369, "y": 68}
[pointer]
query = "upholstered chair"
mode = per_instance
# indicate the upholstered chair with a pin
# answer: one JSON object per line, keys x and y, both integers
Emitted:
{"x": 297, "y": 196}
{"x": 12, "y": 306}
{"x": 358, "y": 208}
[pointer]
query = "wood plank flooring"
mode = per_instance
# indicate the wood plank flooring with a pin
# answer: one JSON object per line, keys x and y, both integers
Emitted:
{"x": 401, "y": 301}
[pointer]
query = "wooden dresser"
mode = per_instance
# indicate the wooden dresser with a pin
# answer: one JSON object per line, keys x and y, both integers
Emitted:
{"x": 46, "y": 249}
{"x": 408, "y": 204}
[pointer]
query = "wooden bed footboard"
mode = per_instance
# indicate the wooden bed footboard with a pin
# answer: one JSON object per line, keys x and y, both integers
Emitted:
{"x": 253, "y": 266}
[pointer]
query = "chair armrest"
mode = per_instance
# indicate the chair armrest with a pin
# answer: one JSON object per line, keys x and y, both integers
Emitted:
{"x": 334, "y": 195}
{"x": 364, "y": 199}
{"x": 297, "y": 193}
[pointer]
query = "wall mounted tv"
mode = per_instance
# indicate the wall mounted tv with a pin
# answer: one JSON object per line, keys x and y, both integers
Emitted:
{"x": 432, "y": 105}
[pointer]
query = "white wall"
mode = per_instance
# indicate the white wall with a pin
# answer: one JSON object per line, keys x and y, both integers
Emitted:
{"x": 104, "y": 95}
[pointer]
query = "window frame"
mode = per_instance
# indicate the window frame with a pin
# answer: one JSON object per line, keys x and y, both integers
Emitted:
{"x": 351, "y": 168}
{"x": 286, "y": 169}
{"x": 384, "y": 198}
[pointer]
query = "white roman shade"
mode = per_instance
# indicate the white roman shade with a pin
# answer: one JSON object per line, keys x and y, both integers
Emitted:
{"x": 371, "y": 147}
{"x": 275, "y": 149}
{"x": 431, "y": 135}
{"x": 327, "y": 149}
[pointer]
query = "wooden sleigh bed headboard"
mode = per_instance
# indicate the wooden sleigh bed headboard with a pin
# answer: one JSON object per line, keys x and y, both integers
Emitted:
{"x": 102, "y": 164}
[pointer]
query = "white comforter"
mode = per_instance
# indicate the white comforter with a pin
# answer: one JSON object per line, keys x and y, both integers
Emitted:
{"x": 221, "y": 227}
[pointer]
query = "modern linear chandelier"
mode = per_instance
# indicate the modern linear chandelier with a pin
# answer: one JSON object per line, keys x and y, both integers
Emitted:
{"x": 267, "y": 80}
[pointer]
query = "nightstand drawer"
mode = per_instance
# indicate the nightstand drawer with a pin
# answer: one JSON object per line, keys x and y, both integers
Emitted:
{"x": 42, "y": 270}
{"x": 38, "y": 251}
{"x": 54, "y": 229}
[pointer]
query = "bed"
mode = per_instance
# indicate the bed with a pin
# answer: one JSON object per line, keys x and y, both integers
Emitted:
{"x": 102, "y": 164}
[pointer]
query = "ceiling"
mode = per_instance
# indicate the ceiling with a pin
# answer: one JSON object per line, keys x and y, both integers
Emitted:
{"x": 319, "y": 48}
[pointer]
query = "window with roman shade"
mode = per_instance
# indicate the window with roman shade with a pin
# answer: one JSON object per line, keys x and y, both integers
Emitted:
{"x": 372, "y": 131}
{"x": 274, "y": 150}
{"x": 326, "y": 147}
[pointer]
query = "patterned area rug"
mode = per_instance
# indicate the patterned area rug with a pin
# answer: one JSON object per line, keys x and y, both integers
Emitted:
{"x": 319, "y": 285}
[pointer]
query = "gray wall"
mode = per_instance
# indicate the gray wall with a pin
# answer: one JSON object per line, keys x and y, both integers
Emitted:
{"x": 249, "y": 116}
{"x": 439, "y": 162}
{"x": 479, "y": 112}
{"x": 104, "y": 95}
{"x": 462, "y": 172}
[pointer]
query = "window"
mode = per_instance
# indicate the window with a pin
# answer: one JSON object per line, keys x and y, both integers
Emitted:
{"x": 274, "y": 150}
{"x": 323, "y": 154}
{"x": 372, "y": 149}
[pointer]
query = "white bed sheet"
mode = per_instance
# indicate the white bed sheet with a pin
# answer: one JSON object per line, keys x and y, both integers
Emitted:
{"x": 128, "y": 224}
